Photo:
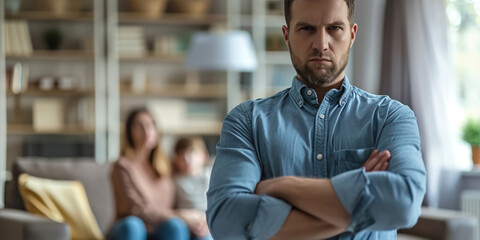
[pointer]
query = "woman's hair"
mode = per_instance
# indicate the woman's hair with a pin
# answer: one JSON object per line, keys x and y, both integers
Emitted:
{"x": 157, "y": 158}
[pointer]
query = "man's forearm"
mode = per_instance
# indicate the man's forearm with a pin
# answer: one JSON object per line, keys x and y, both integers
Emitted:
{"x": 313, "y": 196}
{"x": 300, "y": 225}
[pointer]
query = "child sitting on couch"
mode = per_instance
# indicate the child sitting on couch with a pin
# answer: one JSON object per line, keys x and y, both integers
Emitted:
{"x": 192, "y": 177}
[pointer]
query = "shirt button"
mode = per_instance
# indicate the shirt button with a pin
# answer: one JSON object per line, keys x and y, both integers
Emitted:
{"x": 309, "y": 92}
{"x": 322, "y": 116}
{"x": 319, "y": 156}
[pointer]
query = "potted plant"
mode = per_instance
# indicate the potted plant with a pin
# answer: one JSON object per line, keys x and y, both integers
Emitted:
{"x": 471, "y": 134}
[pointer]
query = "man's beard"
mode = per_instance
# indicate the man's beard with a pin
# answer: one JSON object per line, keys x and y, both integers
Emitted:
{"x": 310, "y": 76}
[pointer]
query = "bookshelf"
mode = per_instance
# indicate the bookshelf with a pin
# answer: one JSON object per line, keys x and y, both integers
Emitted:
{"x": 75, "y": 67}
{"x": 163, "y": 76}
{"x": 105, "y": 77}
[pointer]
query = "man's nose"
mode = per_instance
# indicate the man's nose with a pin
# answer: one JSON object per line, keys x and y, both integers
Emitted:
{"x": 320, "y": 41}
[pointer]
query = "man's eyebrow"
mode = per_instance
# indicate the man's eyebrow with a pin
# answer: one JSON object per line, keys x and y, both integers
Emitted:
{"x": 303, "y": 24}
{"x": 337, "y": 23}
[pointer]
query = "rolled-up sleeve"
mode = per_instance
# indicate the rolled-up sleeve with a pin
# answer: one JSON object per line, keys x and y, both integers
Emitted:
{"x": 390, "y": 199}
{"x": 234, "y": 211}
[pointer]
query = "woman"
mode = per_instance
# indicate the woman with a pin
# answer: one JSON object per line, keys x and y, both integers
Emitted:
{"x": 144, "y": 190}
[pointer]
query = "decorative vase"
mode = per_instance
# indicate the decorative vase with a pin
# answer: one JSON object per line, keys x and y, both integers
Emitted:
{"x": 476, "y": 156}
{"x": 192, "y": 7}
{"x": 151, "y": 8}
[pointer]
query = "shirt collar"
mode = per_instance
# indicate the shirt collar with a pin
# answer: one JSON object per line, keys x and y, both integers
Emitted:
{"x": 341, "y": 94}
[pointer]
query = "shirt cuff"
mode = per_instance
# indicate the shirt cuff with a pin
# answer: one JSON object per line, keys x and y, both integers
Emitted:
{"x": 352, "y": 188}
{"x": 271, "y": 214}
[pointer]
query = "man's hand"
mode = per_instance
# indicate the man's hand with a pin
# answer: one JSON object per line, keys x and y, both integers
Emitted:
{"x": 378, "y": 161}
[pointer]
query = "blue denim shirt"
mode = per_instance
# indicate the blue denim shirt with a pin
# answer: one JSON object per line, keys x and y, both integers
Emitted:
{"x": 292, "y": 134}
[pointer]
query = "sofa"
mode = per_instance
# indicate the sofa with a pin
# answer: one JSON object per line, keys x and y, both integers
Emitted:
{"x": 16, "y": 223}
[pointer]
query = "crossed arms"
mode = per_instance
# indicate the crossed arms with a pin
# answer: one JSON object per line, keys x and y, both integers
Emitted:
{"x": 317, "y": 212}
{"x": 351, "y": 201}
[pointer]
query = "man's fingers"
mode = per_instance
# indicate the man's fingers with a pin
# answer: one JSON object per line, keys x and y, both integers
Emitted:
{"x": 373, "y": 154}
{"x": 385, "y": 166}
{"x": 376, "y": 161}
{"x": 371, "y": 161}
{"x": 384, "y": 157}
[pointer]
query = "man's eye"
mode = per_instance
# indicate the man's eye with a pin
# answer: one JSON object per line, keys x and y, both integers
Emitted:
{"x": 306, "y": 28}
{"x": 335, "y": 28}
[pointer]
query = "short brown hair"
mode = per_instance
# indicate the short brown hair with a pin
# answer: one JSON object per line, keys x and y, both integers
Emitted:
{"x": 189, "y": 143}
{"x": 288, "y": 11}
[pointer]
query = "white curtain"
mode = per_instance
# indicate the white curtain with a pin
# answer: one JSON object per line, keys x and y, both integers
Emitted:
{"x": 418, "y": 71}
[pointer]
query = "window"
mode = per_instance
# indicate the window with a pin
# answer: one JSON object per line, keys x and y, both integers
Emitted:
{"x": 464, "y": 32}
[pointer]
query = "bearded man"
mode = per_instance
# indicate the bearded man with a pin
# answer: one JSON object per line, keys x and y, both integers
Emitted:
{"x": 321, "y": 159}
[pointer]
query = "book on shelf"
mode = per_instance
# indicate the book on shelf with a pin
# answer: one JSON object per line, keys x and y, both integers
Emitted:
{"x": 168, "y": 114}
{"x": 86, "y": 112}
{"x": 19, "y": 78}
{"x": 17, "y": 38}
{"x": 47, "y": 114}
{"x": 131, "y": 42}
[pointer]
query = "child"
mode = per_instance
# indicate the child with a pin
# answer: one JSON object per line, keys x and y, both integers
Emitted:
{"x": 192, "y": 176}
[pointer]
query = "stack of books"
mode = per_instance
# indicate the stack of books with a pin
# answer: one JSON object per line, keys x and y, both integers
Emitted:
{"x": 131, "y": 42}
{"x": 171, "y": 45}
{"x": 17, "y": 39}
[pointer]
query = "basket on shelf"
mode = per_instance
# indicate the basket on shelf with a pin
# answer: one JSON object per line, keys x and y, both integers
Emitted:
{"x": 152, "y": 8}
{"x": 192, "y": 7}
{"x": 60, "y": 6}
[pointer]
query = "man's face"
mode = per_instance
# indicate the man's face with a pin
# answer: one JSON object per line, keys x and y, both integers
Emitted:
{"x": 319, "y": 39}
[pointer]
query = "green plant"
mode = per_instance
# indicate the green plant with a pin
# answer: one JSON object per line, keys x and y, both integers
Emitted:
{"x": 471, "y": 132}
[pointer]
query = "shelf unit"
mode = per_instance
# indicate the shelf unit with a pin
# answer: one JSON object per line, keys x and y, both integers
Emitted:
{"x": 55, "y": 63}
{"x": 165, "y": 76}
{"x": 166, "y": 72}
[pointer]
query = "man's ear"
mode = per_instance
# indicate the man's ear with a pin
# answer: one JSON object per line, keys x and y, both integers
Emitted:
{"x": 285, "y": 34}
{"x": 353, "y": 34}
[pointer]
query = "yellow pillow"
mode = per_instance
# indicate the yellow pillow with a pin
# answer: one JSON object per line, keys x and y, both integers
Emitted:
{"x": 61, "y": 201}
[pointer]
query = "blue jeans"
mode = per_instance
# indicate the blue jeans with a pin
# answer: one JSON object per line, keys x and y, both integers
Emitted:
{"x": 133, "y": 228}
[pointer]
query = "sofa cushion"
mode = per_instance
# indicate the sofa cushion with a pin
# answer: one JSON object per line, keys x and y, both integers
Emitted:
{"x": 61, "y": 201}
{"x": 94, "y": 177}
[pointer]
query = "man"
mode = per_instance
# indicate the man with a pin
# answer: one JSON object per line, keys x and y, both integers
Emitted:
{"x": 322, "y": 159}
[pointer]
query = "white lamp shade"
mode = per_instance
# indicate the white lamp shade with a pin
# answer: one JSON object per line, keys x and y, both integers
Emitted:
{"x": 226, "y": 51}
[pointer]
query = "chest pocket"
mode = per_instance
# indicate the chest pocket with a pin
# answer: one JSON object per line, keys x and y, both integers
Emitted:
{"x": 350, "y": 159}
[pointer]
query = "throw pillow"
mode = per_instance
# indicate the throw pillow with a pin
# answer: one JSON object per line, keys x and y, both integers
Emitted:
{"x": 61, "y": 201}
